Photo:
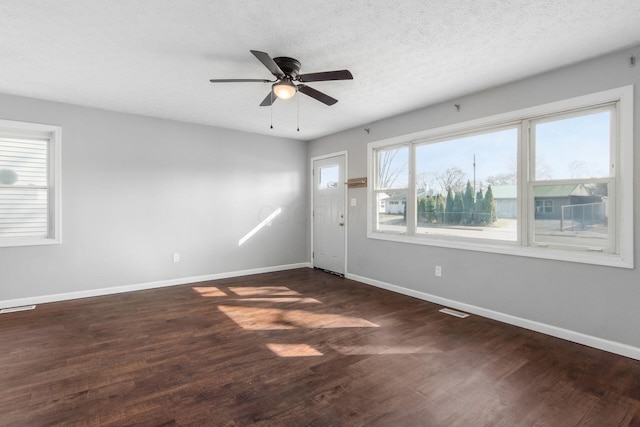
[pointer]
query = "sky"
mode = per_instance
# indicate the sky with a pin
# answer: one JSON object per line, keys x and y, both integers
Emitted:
{"x": 328, "y": 176}
{"x": 573, "y": 147}
{"x": 495, "y": 153}
{"x": 583, "y": 139}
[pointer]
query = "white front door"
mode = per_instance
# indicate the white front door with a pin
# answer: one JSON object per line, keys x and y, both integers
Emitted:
{"x": 329, "y": 216}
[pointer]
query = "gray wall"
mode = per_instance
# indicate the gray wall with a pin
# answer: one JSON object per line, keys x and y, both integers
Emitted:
{"x": 594, "y": 300}
{"x": 137, "y": 189}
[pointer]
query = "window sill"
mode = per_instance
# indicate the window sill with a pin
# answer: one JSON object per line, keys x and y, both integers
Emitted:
{"x": 505, "y": 248}
{"x": 10, "y": 243}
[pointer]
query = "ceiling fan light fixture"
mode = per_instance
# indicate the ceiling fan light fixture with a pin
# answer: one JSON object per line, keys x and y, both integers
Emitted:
{"x": 285, "y": 89}
{"x": 287, "y": 71}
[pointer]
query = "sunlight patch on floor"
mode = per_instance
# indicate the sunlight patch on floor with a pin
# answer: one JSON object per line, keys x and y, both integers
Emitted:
{"x": 283, "y": 299}
{"x": 246, "y": 291}
{"x": 210, "y": 291}
{"x": 254, "y": 291}
{"x": 381, "y": 349}
{"x": 293, "y": 350}
{"x": 255, "y": 318}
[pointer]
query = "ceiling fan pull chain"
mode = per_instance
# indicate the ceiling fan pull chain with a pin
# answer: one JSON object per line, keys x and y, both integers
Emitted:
{"x": 298, "y": 113}
{"x": 271, "y": 109}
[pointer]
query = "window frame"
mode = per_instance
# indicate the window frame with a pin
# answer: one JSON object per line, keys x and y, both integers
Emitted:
{"x": 53, "y": 135}
{"x": 622, "y": 178}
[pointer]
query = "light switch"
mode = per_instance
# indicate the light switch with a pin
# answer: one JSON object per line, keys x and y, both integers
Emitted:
{"x": 354, "y": 202}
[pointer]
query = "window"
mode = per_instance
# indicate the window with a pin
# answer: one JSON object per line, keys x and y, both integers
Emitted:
{"x": 543, "y": 206}
{"x": 29, "y": 184}
{"x": 328, "y": 177}
{"x": 571, "y": 153}
{"x": 552, "y": 181}
{"x": 453, "y": 180}
{"x": 392, "y": 184}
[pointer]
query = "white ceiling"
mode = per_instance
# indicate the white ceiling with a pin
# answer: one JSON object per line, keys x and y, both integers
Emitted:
{"x": 155, "y": 57}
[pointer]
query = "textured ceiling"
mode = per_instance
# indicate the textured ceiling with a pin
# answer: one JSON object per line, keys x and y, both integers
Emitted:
{"x": 155, "y": 57}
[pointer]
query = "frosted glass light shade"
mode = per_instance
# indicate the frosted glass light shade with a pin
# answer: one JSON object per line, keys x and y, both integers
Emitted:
{"x": 284, "y": 89}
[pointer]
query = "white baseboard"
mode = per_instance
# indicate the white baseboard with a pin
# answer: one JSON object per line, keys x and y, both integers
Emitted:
{"x": 577, "y": 337}
{"x": 142, "y": 286}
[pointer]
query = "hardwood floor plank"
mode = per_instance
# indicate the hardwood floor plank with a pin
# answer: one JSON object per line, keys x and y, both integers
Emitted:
{"x": 296, "y": 348}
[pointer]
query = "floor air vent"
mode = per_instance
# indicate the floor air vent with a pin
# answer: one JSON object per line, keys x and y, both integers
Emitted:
{"x": 14, "y": 309}
{"x": 453, "y": 312}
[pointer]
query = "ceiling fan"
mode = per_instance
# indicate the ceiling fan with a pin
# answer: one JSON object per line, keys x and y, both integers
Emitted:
{"x": 287, "y": 71}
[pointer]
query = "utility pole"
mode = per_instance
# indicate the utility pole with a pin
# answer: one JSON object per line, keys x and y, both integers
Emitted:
{"x": 474, "y": 177}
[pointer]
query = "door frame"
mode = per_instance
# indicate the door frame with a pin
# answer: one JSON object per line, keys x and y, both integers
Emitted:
{"x": 344, "y": 153}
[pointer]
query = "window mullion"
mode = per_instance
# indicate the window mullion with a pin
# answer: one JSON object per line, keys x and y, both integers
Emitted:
{"x": 525, "y": 157}
{"x": 411, "y": 193}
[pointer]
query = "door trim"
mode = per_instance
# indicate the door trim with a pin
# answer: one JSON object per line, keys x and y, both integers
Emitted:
{"x": 344, "y": 153}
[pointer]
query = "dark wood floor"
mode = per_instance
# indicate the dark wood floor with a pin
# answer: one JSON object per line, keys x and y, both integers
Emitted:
{"x": 297, "y": 348}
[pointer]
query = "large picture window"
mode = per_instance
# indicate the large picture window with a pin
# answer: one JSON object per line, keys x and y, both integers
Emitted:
{"x": 29, "y": 184}
{"x": 553, "y": 181}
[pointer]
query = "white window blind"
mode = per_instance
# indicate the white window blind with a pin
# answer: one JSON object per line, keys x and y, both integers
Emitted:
{"x": 24, "y": 188}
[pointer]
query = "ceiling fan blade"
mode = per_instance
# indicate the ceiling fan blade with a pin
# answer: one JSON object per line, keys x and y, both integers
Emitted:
{"x": 239, "y": 80}
{"x": 326, "y": 75}
{"x": 270, "y": 99}
{"x": 268, "y": 62}
{"x": 316, "y": 94}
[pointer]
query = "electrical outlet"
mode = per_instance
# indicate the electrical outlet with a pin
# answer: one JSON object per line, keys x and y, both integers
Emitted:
{"x": 438, "y": 271}
{"x": 176, "y": 257}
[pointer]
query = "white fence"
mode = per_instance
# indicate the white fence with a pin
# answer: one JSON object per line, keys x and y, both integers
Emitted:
{"x": 579, "y": 217}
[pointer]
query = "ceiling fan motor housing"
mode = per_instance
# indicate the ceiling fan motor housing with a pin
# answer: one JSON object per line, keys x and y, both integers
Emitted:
{"x": 290, "y": 66}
